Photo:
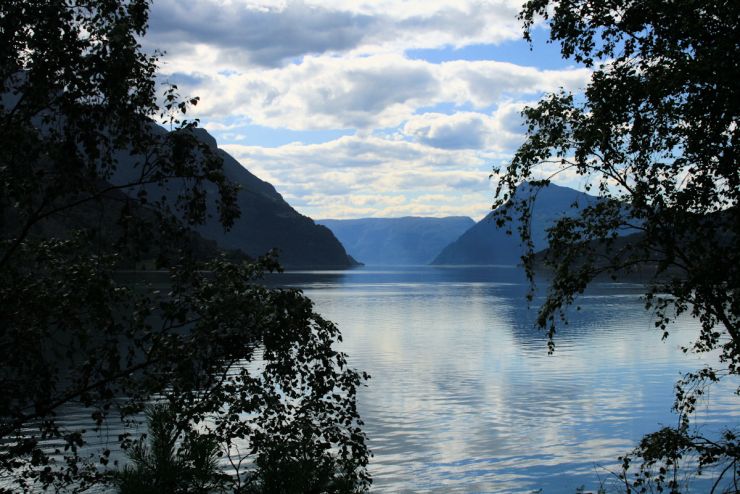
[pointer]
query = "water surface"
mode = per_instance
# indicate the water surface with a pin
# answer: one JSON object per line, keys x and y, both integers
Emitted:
{"x": 464, "y": 396}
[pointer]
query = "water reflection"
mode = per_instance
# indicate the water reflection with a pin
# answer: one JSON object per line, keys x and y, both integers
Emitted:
{"x": 464, "y": 397}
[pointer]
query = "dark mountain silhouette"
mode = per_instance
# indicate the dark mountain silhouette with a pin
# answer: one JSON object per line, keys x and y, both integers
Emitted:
{"x": 114, "y": 222}
{"x": 485, "y": 243}
{"x": 397, "y": 241}
{"x": 632, "y": 256}
{"x": 267, "y": 221}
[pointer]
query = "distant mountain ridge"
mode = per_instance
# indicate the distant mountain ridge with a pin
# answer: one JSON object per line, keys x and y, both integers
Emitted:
{"x": 267, "y": 221}
{"x": 485, "y": 243}
{"x": 397, "y": 241}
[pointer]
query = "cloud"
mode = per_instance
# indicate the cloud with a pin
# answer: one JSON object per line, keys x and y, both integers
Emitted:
{"x": 500, "y": 131}
{"x": 274, "y": 33}
{"x": 378, "y": 91}
{"x": 373, "y": 176}
{"x": 256, "y": 34}
{"x": 464, "y": 130}
{"x": 423, "y": 131}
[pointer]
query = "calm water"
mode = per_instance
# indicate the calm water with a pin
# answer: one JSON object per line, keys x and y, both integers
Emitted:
{"x": 465, "y": 398}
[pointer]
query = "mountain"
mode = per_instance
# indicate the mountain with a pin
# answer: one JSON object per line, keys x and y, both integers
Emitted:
{"x": 267, "y": 221}
{"x": 486, "y": 243}
{"x": 397, "y": 241}
{"x": 114, "y": 222}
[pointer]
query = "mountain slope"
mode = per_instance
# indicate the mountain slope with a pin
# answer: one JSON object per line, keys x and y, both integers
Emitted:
{"x": 267, "y": 221}
{"x": 397, "y": 241}
{"x": 486, "y": 243}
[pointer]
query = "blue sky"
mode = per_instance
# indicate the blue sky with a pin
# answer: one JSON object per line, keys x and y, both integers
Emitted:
{"x": 372, "y": 108}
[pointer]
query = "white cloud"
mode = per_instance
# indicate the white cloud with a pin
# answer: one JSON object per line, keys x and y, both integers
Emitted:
{"x": 371, "y": 176}
{"x": 273, "y": 33}
{"x": 469, "y": 130}
{"x": 463, "y": 130}
{"x": 425, "y": 134}
{"x": 377, "y": 91}
{"x": 245, "y": 34}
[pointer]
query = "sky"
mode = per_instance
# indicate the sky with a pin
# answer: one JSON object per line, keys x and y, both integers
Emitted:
{"x": 362, "y": 108}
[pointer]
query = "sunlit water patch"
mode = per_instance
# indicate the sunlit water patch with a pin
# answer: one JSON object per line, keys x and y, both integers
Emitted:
{"x": 464, "y": 396}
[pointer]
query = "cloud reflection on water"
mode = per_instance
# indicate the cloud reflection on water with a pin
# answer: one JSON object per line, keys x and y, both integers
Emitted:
{"x": 464, "y": 398}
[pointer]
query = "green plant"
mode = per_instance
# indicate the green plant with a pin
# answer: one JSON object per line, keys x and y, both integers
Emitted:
{"x": 163, "y": 461}
{"x": 79, "y": 99}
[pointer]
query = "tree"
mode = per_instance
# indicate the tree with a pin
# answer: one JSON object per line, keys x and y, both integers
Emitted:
{"x": 230, "y": 357}
{"x": 160, "y": 464}
{"x": 655, "y": 134}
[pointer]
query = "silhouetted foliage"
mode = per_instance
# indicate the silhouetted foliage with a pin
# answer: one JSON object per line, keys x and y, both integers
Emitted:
{"x": 162, "y": 462}
{"x": 244, "y": 364}
{"x": 656, "y": 135}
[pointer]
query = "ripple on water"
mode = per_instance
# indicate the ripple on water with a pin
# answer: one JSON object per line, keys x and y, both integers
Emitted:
{"x": 464, "y": 397}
